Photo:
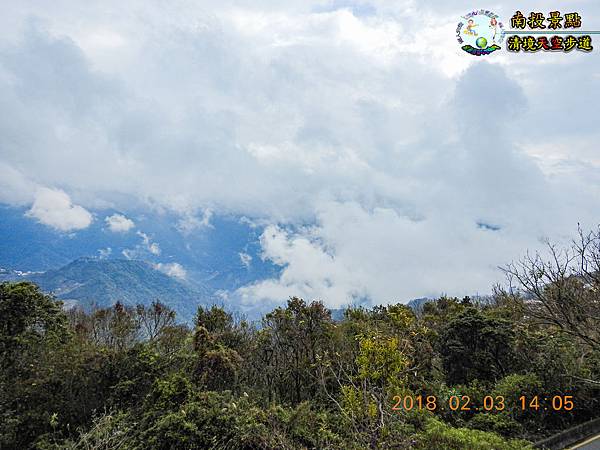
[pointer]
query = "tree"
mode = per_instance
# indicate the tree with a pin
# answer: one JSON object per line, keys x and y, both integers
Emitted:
{"x": 561, "y": 290}
{"x": 154, "y": 319}
{"x": 291, "y": 341}
{"x": 115, "y": 327}
{"x": 126, "y": 377}
{"x": 27, "y": 318}
{"x": 474, "y": 346}
{"x": 32, "y": 327}
{"x": 217, "y": 339}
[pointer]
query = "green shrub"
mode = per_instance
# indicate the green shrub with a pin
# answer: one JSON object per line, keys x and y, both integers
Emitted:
{"x": 440, "y": 436}
{"x": 501, "y": 423}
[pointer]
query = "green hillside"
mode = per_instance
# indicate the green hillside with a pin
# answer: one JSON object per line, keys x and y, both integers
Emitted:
{"x": 101, "y": 283}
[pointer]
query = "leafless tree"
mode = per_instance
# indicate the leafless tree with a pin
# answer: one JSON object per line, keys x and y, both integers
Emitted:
{"x": 154, "y": 319}
{"x": 562, "y": 287}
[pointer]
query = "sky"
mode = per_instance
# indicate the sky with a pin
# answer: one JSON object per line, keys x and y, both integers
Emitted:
{"x": 382, "y": 161}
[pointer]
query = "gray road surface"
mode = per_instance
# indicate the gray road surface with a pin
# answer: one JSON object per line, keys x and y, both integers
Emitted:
{"x": 589, "y": 444}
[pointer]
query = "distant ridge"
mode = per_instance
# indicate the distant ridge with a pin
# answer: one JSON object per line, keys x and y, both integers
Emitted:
{"x": 93, "y": 282}
{"x": 418, "y": 303}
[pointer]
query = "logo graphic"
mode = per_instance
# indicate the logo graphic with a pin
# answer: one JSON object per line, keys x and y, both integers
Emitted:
{"x": 480, "y": 32}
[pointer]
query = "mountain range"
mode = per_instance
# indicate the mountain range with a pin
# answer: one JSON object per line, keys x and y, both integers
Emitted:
{"x": 222, "y": 254}
{"x": 160, "y": 257}
{"x": 90, "y": 283}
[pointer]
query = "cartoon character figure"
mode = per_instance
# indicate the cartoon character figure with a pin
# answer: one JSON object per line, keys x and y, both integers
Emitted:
{"x": 469, "y": 29}
{"x": 494, "y": 28}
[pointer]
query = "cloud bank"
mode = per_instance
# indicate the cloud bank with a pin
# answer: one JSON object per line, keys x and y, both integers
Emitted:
{"x": 118, "y": 223}
{"x": 383, "y": 162}
{"x": 174, "y": 270}
{"x": 54, "y": 208}
{"x": 146, "y": 248}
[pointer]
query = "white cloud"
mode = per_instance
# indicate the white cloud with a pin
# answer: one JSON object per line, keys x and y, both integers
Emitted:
{"x": 144, "y": 249}
{"x": 353, "y": 254}
{"x": 104, "y": 253}
{"x": 430, "y": 243}
{"x": 118, "y": 223}
{"x": 15, "y": 188}
{"x": 246, "y": 259}
{"x": 53, "y": 207}
{"x": 147, "y": 244}
{"x": 174, "y": 270}
{"x": 365, "y": 121}
{"x": 190, "y": 222}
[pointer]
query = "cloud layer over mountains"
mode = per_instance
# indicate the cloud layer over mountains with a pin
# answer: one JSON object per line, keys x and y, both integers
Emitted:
{"x": 382, "y": 161}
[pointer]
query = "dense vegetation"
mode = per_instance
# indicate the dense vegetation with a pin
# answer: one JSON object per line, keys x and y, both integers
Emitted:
{"x": 133, "y": 378}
